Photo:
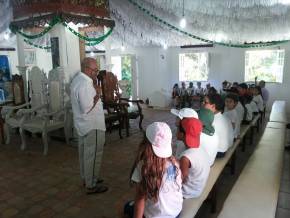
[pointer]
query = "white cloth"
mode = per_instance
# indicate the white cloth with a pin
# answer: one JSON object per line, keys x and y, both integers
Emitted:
{"x": 259, "y": 101}
{"x": 198, "y": 172}
{"x": 249, "y": 115}
{"x": 254, "y": 107}
{"x": 170, "y": 199}
{"x": 82, "y": 100}
{"x": 240, "y": 110}
{"x": 210, "y": 145}
{"x": 224, "y": 130}
{"x": 232, "y": 115}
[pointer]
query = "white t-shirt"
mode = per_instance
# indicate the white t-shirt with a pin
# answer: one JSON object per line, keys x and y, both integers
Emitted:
{"x": 190, "y": 91}
{"x": 210, "y": 145}
{"x": 240, "y": 111}
{"x": 199, "y": 91}
{"x": 254, "y": 106}
{"x": 259, "y": 101}
{"x": 249, "y": 115}
{"x": 170, "y": 199}
{"x": 198, "y": 172}
{"x": 82, "y": 100}
{"x": 232, "y": 115}
{"x": 224, "y": 130}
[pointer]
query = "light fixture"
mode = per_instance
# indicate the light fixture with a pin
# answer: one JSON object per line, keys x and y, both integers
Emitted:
{"x": 165, "y": 46}
{"x": 92, "y": 53}
{"x": 122, "y": 48}
{"x": 182, "y": 22}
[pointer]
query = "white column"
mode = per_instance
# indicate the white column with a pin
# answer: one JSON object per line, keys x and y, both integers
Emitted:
{"x": 22, "y": 69}
{"x": 108, "y": 52}
{"x": 20, "y": 50}
{"x": 69, "y": 52}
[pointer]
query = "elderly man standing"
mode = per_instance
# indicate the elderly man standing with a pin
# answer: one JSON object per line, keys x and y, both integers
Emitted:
{"x": 89, "y": 121}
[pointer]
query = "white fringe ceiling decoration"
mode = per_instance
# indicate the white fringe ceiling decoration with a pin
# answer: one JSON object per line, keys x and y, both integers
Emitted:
{"x": 229, "y": 21}
{"x": 226, "y": 21}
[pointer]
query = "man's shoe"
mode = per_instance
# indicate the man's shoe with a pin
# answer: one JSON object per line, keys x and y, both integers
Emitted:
{"x": 97, "y": 189}
{"x": 98, "y": 181}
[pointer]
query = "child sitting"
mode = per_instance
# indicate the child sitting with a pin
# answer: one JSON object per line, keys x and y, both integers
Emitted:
{"x": 209, "y": 140}
{"x": 257, "y": 98}
{"x": 157, "y": 175}
{"x": 230, "y": 112}
{"x": 223, "y": 126}
{"x": 194, "y": 161}
{"x": 184, "y": 113}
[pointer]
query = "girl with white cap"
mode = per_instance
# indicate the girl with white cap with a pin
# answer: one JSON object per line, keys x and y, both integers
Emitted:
{"x": 157, "y": 175}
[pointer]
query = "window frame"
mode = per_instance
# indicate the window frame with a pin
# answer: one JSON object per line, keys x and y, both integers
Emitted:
{"x": 278, "y": 61}
{"x": 193, "y": 52}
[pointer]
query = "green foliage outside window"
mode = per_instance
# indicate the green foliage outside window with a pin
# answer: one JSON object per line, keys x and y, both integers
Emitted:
{"x": 126, "y": 72}
{"x": 266, "y": 65}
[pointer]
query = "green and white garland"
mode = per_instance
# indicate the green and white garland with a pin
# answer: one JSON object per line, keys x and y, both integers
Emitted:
{"x": 28, "y": 37}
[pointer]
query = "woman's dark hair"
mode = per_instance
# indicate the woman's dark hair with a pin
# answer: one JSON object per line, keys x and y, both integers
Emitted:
{"x": 217, "y": 100}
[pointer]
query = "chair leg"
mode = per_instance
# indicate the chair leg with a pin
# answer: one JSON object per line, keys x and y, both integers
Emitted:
{"x": 66, "y": 135}
{"x": 7, "y": 134}
{"x": 127, "y": 121}
{"x": 140, "y": 121}
{"x": 120, "y": 127}
{"x": 45, "y": 142}
{"x": 23, "y": 140}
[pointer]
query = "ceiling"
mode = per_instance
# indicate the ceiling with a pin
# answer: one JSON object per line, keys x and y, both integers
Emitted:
{"x": 229, "y": 21}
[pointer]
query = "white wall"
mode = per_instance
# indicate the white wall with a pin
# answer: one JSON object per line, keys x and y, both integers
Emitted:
{"x": 158, "y": 71}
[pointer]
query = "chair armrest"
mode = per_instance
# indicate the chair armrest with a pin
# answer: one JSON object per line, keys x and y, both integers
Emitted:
{"x": 133, "y": 101}
{"x": 29, "y": 111}
{"x": 8, "y": 110}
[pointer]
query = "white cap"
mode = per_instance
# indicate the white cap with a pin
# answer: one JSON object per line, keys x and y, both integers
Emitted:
{"x": 160, "y": 136}
{"x": 185, "y": 113}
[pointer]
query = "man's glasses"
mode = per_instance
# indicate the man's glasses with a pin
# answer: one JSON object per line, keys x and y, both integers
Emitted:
{"x": 92, "y": 69}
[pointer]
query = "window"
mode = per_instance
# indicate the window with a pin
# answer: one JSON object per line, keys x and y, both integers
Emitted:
{"x": 266, "y": 65}
{"x": 122, "y": 69}
{"x": 193, "y": 66}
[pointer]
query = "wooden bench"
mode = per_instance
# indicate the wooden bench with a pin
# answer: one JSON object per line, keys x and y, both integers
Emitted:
{"x": 191, "y": 206}
{"x": 255, "y": 194}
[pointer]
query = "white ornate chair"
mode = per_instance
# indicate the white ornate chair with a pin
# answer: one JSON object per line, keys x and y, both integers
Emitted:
{"x": 12, "y": 118}
{"x": 50, "y": 116}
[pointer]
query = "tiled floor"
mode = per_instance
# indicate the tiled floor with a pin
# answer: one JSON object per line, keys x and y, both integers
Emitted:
{"x": 33, "y": 185}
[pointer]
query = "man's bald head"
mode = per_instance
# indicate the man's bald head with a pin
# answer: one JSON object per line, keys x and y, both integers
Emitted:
{"x": 90, "y": 67}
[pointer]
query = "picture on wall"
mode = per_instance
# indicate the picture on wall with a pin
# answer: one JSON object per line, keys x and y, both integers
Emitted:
{"x": 5, "y": 73}
{"x": 30, "y": 57}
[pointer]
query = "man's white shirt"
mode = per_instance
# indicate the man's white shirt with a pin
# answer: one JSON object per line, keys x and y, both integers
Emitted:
{"x": 86, "y": 117}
